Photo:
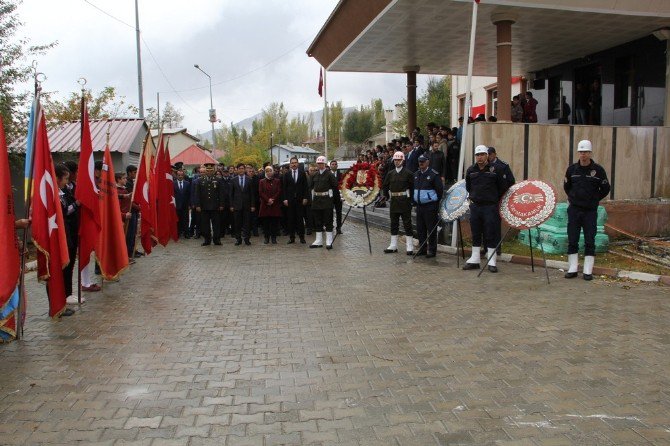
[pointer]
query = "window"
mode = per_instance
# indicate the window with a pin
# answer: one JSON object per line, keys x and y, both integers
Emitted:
{"x": 554, "y": 98}
{"x": 492, "y": 102}
{"x": 623, "y": 80}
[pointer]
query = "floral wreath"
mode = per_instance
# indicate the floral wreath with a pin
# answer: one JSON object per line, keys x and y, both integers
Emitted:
{"x": 546, "y": 199}
{"x": 358, "y": 193}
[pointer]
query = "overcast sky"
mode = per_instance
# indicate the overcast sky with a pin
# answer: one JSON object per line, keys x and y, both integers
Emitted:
{"x": 254, "y": 51}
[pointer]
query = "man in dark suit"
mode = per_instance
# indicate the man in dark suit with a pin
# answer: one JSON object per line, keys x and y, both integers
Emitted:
{"x": 412, "y": 158}
{"x": 242, "y": 204}
{"x": 294, "y": 191}
{"x": 182, "y": 197}
{"x": 337, "y": 199}
{"x": 194, "y": 226}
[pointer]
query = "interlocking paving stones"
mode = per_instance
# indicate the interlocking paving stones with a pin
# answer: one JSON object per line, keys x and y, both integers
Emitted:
{"x": 279, "y": 344}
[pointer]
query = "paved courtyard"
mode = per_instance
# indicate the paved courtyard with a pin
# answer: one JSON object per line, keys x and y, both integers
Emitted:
{"x": 278, "y": 344}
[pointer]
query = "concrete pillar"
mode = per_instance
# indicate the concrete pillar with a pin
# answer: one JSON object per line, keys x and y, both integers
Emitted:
{"x": 503, "y": 22}
{"x": 411, "y": 97}
{"x": 664, "y": 34}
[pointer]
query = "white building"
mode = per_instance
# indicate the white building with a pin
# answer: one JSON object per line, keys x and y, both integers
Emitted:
{"x": 179, "y": 140}
{"x": 282, "y": 153}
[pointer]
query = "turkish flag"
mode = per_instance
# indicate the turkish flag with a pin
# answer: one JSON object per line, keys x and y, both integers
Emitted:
{"x": 88, "y": 195}
{"x": 9, "y": 248}
{"x": 111, "y": 249}
{"x": 142, "y": 196}
{"x": 320, "y": 82}
{"x": 48, "y": 226}
{"x": 166, "y": 211}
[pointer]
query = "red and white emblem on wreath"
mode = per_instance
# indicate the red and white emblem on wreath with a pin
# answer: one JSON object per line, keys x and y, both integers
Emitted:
{"x": 360, "y": 185}
{"x": 528, "y": 204}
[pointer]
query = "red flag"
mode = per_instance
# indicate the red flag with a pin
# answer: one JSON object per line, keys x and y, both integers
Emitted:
{"x": 142, "y": 196}
{"x": 9, "y": 248}
{"x": 48, "y": 225}
{"x": 87, "y": 194}
{"x": 321, "y": 82}
{"x": 476, "y": 1}
{"x": 166, "y": 213}
{"x": 169, "y": 191}
{"x": 111, "y": 250}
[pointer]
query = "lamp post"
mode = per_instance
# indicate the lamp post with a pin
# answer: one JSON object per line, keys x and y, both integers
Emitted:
{"x": 212, "y": 112}
{"x": 272, "y": 135}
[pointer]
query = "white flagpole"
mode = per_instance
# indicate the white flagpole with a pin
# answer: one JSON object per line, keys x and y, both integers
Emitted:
{"x": 468, "y": 107}
{"x": 325, "y": 114}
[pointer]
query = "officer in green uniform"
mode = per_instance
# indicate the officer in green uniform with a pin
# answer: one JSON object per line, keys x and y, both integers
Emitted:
{"x": 399, "y": 185}
{"x": 323, "y": 189}
{"x": 209, "y": 201}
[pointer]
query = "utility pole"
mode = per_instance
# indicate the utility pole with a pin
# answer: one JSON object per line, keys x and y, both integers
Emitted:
{"x": 139, "y": 60}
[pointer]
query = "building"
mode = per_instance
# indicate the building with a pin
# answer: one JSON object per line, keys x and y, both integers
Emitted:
{"x": 282, "y": 153}
{"x": 193, "y": 157}
{"x": 177, "y": 139}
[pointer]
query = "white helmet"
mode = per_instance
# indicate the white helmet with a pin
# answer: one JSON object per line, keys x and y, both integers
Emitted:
{"x": 321, "y": 160}
{"x": 584, "y": 146}
{"x": 398, "y": 155}
{"x": 481, "y": 149}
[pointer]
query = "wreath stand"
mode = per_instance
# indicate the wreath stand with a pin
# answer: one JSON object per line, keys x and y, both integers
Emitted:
{"x": 367, "y": 227}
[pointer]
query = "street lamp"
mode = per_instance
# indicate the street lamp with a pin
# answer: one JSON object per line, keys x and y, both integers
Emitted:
{"x": 271, "y": 147}
{"x": 212, "y": 112}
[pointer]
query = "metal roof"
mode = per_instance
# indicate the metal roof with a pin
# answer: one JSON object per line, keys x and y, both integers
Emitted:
{"x": 174, "y": 131}
{"x": 297, "y": 149}
{"x": 67, "y": 137}
{"x": 193, "y": 155}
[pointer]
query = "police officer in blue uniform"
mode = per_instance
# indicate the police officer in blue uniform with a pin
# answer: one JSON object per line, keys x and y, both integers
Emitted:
{"x": 486, "y": 185}
{"x": 428, "y": 189}
{"x": 586, "y": 184}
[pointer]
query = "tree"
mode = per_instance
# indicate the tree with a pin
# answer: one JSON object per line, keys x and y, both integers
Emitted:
{"x": 359, "y": 125}
{"x": 106, "y": 105}
{"x": 434, "y": 105}
{"x": 335, "y": 119}
{"x": 15, "y": 71}
{"x": 171, "y": 117}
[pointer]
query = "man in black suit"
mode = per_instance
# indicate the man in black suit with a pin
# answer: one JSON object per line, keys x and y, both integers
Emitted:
{"x": 294, "y": 191}
{"x": 182, "y": 198}
{"x": 337, "y": 199}
{"x": 242, "y": 204}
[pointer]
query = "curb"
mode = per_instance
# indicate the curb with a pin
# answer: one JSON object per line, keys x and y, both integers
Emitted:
{"x": 558, "y": 264}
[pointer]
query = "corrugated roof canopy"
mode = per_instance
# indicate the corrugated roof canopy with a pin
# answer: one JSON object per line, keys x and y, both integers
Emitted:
{"x": 193, "y": 156}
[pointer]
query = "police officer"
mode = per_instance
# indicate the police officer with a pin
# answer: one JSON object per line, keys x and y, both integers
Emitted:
{"x": 486, "y": 185}
{"x": 586, "y": 184}
{"x": 503, "y": 169}
{"x": 324, "y": 189}
{"x": 209, "y": 201}
{"x": 399, "y": 186}
{"x": 428, "y": 189}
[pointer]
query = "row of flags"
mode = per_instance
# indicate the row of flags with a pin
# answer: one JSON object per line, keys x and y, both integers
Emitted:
{"x": 101, "y": 228}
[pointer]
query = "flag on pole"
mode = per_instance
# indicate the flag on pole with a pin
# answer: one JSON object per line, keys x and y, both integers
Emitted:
{"x": 9, "y": 248}
{"x": 111, "y": 250}
{"x": 321, "y": 82}
{"x": 87, "y": 194}
{"x": 166, "y": 212}
{"x": 28, "y": 173}
{"x": 142, "y": 195}
{"x": 168, "y": 186}
{"x": 48, "y": 226}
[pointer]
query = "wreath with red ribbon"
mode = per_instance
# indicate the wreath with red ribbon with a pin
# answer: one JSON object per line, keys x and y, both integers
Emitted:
{"x": 361, "y": 194}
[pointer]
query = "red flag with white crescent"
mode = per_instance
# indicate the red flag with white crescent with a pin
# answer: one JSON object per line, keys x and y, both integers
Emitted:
{"x": 142, "y": 196}
{"x": 165, "y": 207}
{"x": 48, "y": 226}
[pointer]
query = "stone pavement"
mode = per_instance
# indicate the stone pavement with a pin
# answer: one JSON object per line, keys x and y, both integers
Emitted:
{"x": 283, "y": 344}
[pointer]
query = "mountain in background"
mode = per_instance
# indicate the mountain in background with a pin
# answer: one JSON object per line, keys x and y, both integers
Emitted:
{"x": 246, "y": 123}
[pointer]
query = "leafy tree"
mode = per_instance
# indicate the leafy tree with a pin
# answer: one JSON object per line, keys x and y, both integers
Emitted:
{"x": 434, "y": 105}
{"x": 335, "y": 120}
{"x": 15, "y": 71}
{"x": 106, "y": 105}
{"x": 171, "y": 117}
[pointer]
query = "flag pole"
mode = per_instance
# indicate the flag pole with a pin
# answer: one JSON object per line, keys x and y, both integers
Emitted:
{"x": 32, "y": 132}
{"x": 466, "y": 111}
{"x": 82, "y": 82}
{"x": 325, "y": 114}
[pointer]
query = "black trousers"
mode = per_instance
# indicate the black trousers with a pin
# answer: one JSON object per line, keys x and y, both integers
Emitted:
{"x": 579, "y": 219}
{"x": 207, "y": 219}
{"x": 182, "y": 224}
{"x": 309, "y": 218}
{"x": 485, "y": 222}
{"x": 337, "y": 205}
{"x": 406, "y": 222}
{"x": 242, "y": 219}
{"x": 131, "y": 234}
{"x": 426, "y": 220}
{"x": 323, "y": 217}
{"x": 294, "y": 220}
{"x": 270, "y": 226}
{"x": 67, "y": 271}
{"x": 195, "y": 222}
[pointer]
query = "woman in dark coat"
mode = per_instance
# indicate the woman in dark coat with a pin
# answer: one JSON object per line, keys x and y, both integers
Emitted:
{"x": 269, "y": 192}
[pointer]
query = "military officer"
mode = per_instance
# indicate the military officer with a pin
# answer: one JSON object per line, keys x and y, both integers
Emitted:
{"x": 428, "y": 189}
{"x": 209, "y": 201}
{"x": 485, "y": 185}
{"x": 586, "y": 184}
{"x": 399, "y": 183}
{"x": 503, "y": 169}
{"x": 324, "y": 188}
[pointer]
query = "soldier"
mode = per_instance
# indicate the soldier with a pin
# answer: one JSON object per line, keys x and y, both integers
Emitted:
{"x": 209, "y": 200}
{"x": 399, "y": 183}
{"x": 502, "y": 168}
{"x": 586, "y": 184}
{"x": 485, "y": 185}
{"x": 428, "y": 189}
{"x": 324, "y": 188}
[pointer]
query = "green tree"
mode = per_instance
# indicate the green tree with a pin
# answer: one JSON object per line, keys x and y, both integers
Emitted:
{"x": 106, "y": 105}
{"x": 171, "y": 117}
{"x": 335, "y": 121}
{"x": 15, "y": 71}
{"x": 434, "y": 105}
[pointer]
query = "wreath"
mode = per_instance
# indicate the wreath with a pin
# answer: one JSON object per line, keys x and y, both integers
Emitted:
{"x": 360, "y": 185}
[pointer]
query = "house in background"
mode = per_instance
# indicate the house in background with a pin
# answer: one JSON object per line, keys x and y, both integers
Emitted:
{"x": 193, "y": 157}
{"x": 179, "y": 140}
{"x": 282, "y": 153}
